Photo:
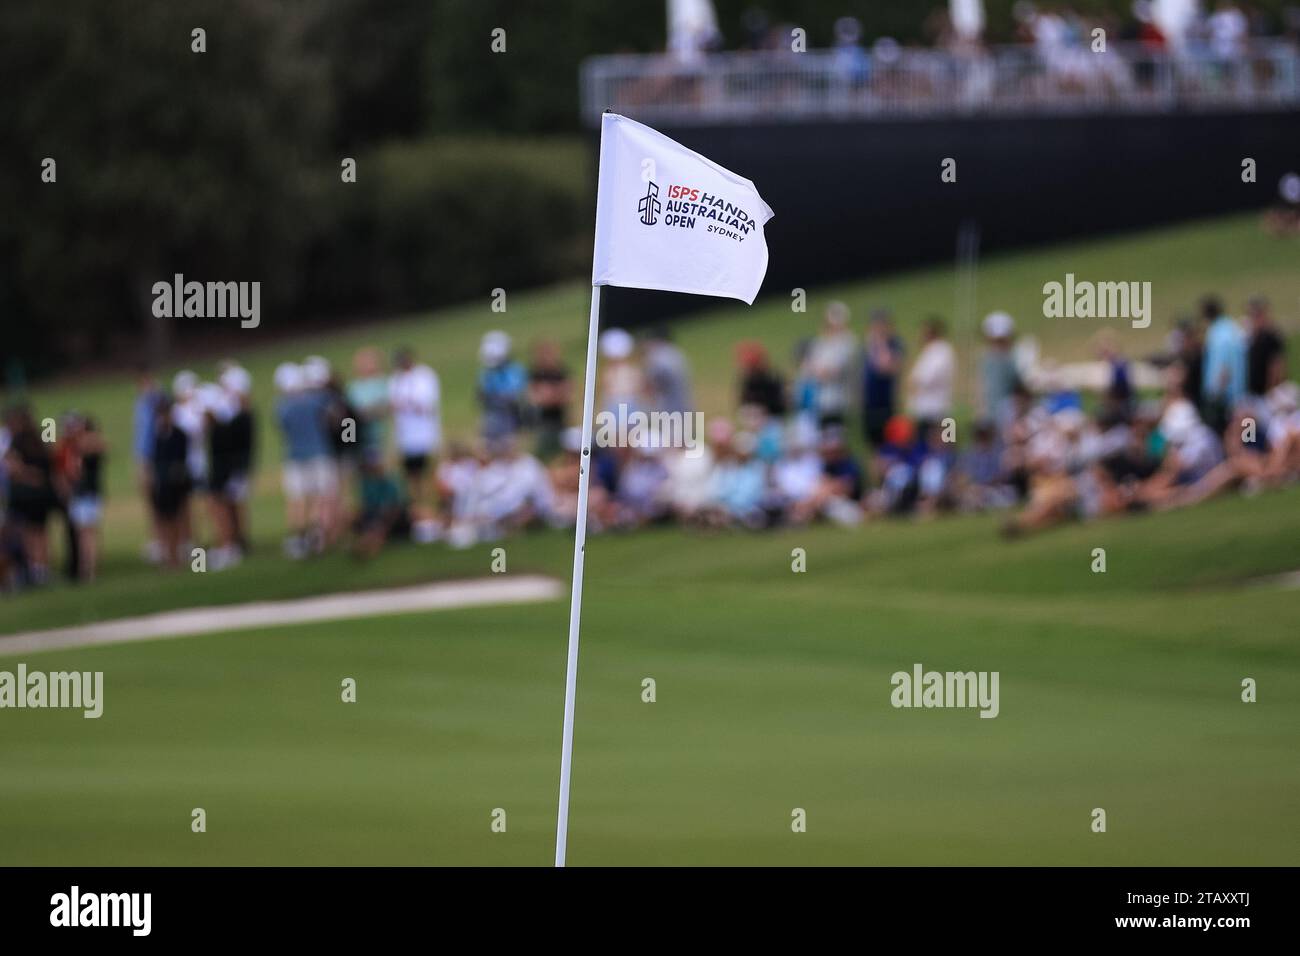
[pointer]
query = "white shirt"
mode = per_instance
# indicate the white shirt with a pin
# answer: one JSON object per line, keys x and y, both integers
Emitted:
{"x": 414, "y": 395}
{"x": 930, "y": 384}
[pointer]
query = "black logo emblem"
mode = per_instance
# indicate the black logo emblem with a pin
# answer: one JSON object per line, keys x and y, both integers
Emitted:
{"x": 648, "y": 206}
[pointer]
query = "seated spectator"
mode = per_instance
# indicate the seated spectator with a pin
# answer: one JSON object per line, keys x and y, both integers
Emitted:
{"x": 980, "y": 480}
{"x": 737, "y": 481}
{"x": 383, "y": 513}
{"x": 839, "y": 488}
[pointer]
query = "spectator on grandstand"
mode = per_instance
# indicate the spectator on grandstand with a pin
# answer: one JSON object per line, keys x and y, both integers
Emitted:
{"x": 415, "y": 398}
{"x": 882, "y": 363}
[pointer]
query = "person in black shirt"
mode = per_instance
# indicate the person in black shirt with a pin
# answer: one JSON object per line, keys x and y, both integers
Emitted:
{"x": 1266, "y": 357}
{"x": 32, "y": 497}
{"x": 86, "y": 448}
{"x": 549, "y": 391}
{"x": 170, "y": 482}
{"x": 759, "y": 384}
{"x": 230, "y": 443}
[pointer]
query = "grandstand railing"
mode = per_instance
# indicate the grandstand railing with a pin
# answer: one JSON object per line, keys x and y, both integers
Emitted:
{"x": 740, "y": 87}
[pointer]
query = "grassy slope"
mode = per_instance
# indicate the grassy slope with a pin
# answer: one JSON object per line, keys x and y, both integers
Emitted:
{"x": 1118, "y": 690}
{"x": 1229, "y": 256}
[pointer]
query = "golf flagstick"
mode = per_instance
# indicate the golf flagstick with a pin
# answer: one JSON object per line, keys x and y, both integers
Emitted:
{"x": 702, "y": 235}
{"x": 575, "y": 606}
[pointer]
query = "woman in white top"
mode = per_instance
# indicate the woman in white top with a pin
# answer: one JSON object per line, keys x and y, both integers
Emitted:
{"x": 930, "y": 384}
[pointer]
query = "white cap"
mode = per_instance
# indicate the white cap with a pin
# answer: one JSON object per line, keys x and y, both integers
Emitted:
{"x": 616, "y": 344}
{"x": 236, "y": 380}
{"x": 998, "y": 325}
{"x": 288, "y": 377}
{"x": 184, "y": 384}
{"x": 495, "y": 348}
{"x": 837, "y": 314}
{"x": 316, "y": 371}
{"x": 213, "y": 398}
{"x": 1179, "y": 422}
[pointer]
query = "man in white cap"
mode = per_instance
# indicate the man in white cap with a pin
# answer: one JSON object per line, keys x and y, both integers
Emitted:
{"x": 231, "y": 441}
{"x": 502, "y": 384}
{"x": 998, "y": 374}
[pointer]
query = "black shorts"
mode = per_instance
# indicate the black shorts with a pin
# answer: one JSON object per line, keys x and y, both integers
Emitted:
{"x": 31, "y": 511}
{"x": 415, "y": 465}
{"x": 168, "y": 500}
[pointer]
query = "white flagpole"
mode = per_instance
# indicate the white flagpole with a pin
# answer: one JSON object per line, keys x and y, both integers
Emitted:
{"x": 575, "y": 601}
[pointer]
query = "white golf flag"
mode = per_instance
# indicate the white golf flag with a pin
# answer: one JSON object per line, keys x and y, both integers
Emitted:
{"x": 668, "y": 218}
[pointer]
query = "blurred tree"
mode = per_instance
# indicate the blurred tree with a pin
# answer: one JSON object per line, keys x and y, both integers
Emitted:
{"x": 168, "y": 160}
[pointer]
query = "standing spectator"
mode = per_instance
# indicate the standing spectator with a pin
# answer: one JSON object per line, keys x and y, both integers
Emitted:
{"x": 144, "y": 414}
{"x": 171, "y": 483}
{"x": 85, "y": 503}
{"x": 310, "y": 474}
{"x": 415, "y": 396}
{"x": 368, "y": 396}
{"x": 502, "y": 384}
{"x": 884, "y": 359}
{"x": 831, "y": 359}
{"x": 549, "y": 393}
{"x": 930, "y": 385}
{"x": 32, "y": 495}
{"x": 759, "y": 384}
{"x": 1224, "y": 380}
{"x": 1266, "y": 355}
{"x": 190, "y": 414}
{"x": 621, "y": 379}
{"x": 230, "y": 446}
{"x": 998, "y": 374}
{"x": 667, "y": 374}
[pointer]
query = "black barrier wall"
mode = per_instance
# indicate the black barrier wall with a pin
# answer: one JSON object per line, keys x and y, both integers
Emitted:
{"x": 855, "y": 199}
